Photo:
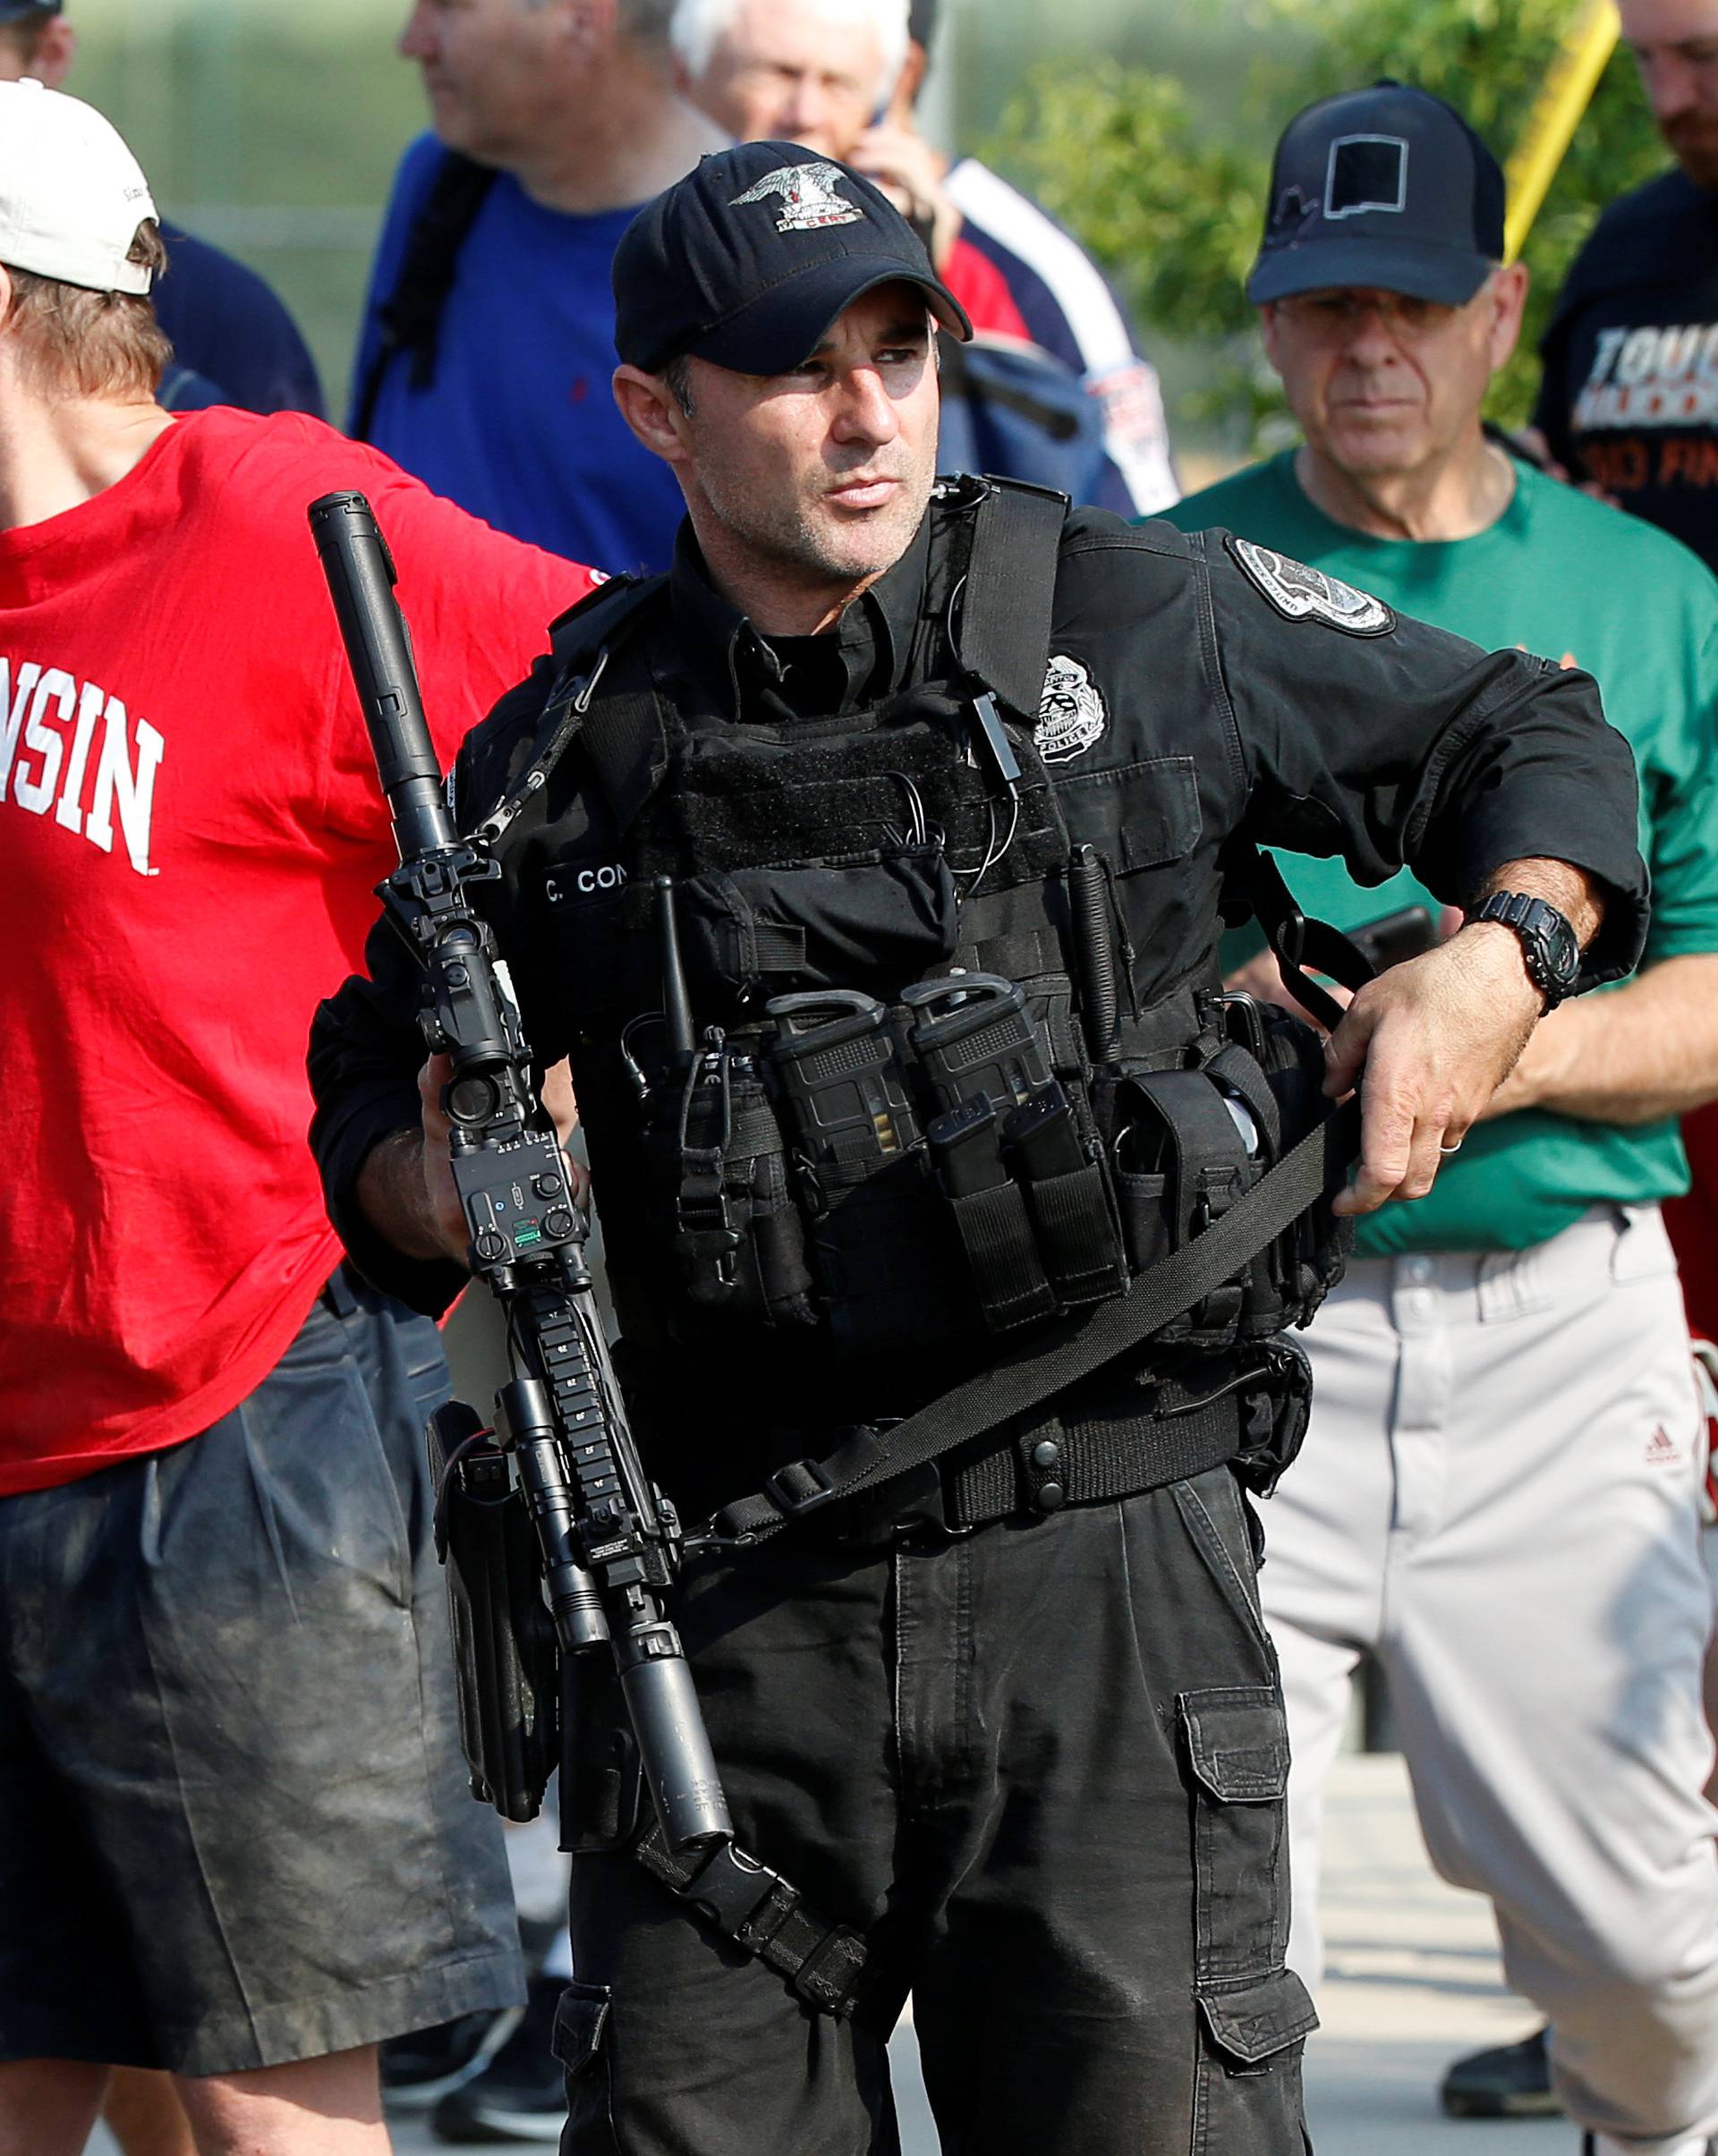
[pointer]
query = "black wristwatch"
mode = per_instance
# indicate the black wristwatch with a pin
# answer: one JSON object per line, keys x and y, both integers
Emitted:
{"x": 1548, "y": 943}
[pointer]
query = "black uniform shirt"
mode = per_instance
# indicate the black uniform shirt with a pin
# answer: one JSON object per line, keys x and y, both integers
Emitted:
{"x": 1197, "y": 688}
{"x": 863, "y": 660}
{"x": 1629, "y": 396}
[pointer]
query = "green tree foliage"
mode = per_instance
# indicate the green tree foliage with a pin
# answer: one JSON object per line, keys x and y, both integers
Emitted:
{"x": 1170, "y": 198}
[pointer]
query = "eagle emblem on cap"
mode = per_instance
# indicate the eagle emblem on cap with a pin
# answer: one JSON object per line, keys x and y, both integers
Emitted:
{"x": 809, "y": 201}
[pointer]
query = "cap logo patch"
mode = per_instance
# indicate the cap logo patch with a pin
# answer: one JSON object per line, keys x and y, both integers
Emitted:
{"x": 1071, "y": 718}
{"x": 809, "y": 201}
{"x": 1366, "y": 172}
{"x": 1301, "y": 594}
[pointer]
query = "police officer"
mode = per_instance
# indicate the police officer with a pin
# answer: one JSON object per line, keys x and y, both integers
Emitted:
{"x": 945, "y": 785}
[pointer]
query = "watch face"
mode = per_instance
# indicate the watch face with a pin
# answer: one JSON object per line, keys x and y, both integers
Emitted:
{"x": 1564, "y": 953}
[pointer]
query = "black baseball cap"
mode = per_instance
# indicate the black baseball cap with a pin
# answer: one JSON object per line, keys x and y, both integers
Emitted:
{"x": 1387, "y": 187}
{"x": 749, "y": 259}
{"x": 9, "y": 9}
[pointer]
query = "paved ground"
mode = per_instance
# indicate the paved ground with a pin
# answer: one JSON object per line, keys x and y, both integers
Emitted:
{"x": 1413, "y": 1981}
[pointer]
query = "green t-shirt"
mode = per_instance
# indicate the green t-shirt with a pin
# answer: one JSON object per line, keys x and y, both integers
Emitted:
{"x": 1562, "y": 576}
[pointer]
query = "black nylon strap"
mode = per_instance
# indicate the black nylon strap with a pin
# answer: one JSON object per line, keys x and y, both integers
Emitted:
{"x": 411, "y": 314}
{"x": 1296, "y": 942}
{"x": 1033, "y": 1373}
{"x": 1021, "y": 955}
{"x": 622, "y": 734}
{"x": 1117, "y": 1460}
{"x": 763, "y": 1916}
{"x": 1011, "y": 596}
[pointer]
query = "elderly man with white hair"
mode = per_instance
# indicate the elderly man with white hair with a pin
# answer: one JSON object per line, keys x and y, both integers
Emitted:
{"x": 841, "y": 76}
{"x": 823, "y": 72}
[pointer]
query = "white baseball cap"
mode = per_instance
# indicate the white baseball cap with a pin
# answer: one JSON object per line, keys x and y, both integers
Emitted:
{"x": 71, "y": 195}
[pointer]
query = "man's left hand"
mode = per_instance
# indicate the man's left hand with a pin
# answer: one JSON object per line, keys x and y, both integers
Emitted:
{"x": 909, "y": 172}
{"x": 1434, "y": 1038}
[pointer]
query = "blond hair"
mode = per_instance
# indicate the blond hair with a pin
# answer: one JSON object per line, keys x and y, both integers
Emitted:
{"x": 75, "y": 342}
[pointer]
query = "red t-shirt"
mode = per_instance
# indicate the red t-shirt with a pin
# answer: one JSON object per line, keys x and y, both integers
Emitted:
{"x": 192, "y": 832}
{"x": 1693, "y": 1223}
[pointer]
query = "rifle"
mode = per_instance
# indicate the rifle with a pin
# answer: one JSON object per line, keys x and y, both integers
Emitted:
{"x": 608, "y": 1541}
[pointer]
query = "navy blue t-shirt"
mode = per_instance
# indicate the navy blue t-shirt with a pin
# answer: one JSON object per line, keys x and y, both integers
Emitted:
{"x": 227, "y": 326}
{"x": 1629, "y": 396}
{"x": 520, "y": 425}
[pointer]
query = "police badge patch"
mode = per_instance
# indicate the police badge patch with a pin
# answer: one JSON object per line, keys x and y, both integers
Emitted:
{"x": 808, "y": 198}
{"x": 1072, "y": 715}
{"x": 1302, "y": 594}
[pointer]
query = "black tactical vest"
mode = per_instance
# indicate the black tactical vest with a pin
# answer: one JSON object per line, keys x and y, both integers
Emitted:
{"x": 865, "y": 1082}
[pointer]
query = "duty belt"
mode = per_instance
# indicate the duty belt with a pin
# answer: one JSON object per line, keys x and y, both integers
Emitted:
{"x": 1042, "y": 1469}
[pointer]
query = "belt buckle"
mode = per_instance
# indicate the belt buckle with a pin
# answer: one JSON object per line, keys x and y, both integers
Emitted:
{"x": 923, "y": 1505}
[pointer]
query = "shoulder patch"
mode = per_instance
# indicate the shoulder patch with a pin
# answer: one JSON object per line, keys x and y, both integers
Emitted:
{"x": 1301, "y": 594}
{"x": 1071, "y": 715}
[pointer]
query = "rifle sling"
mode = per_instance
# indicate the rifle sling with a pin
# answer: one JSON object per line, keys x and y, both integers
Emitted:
{"x": 1028, "y": 1376}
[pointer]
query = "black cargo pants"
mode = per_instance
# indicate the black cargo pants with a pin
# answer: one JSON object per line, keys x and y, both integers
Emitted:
{"x": 1042, "y": 1766}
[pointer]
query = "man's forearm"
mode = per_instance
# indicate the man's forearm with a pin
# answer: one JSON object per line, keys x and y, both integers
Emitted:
{"x": 1631, "y": 1055}
{"x": 394, "y": 1199}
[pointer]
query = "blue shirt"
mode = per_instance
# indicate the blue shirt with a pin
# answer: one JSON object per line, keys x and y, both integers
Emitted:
{"x": 519, "y": 425}
{"x": 228, "y": 326}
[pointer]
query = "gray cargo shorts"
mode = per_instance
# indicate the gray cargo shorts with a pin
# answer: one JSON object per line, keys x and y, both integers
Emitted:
{"x": 235, "y": 1822}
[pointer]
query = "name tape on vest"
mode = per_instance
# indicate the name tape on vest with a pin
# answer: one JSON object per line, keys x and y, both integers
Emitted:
{"x": 569, "y": 884}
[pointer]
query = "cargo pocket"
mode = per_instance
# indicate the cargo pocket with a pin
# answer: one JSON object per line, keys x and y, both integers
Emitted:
{"x": 1254, "y": 2008}
{"x": 1252, "y": 2025}
{"x": 1247, "y": 2085}
{"x": 580, "y": 2023}
{"x": 1146, "y": 821}
{"x": 1238, "y": 1749}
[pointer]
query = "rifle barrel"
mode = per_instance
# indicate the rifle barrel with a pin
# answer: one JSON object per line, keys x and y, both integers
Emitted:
{"x": 360, "y": 573}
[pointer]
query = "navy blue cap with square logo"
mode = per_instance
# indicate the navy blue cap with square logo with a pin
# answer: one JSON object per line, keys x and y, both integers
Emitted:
{"x": 750, "y": 258}
{"x": 1387, "y": 188}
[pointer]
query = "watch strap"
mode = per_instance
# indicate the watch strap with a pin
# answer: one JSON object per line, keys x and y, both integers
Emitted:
{"x": 1549, "y": 945}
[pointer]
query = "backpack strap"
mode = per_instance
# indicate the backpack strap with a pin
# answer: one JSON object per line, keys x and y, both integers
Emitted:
{"x": 1007, "y": 607}
{"x": 411, "y": 314}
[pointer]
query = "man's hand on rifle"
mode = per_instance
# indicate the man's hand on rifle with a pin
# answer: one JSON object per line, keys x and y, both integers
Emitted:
{"x": 1432, "y": 1037}
{"x": 406, "y": 1186}
{"x": 1435, "y": 1037}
